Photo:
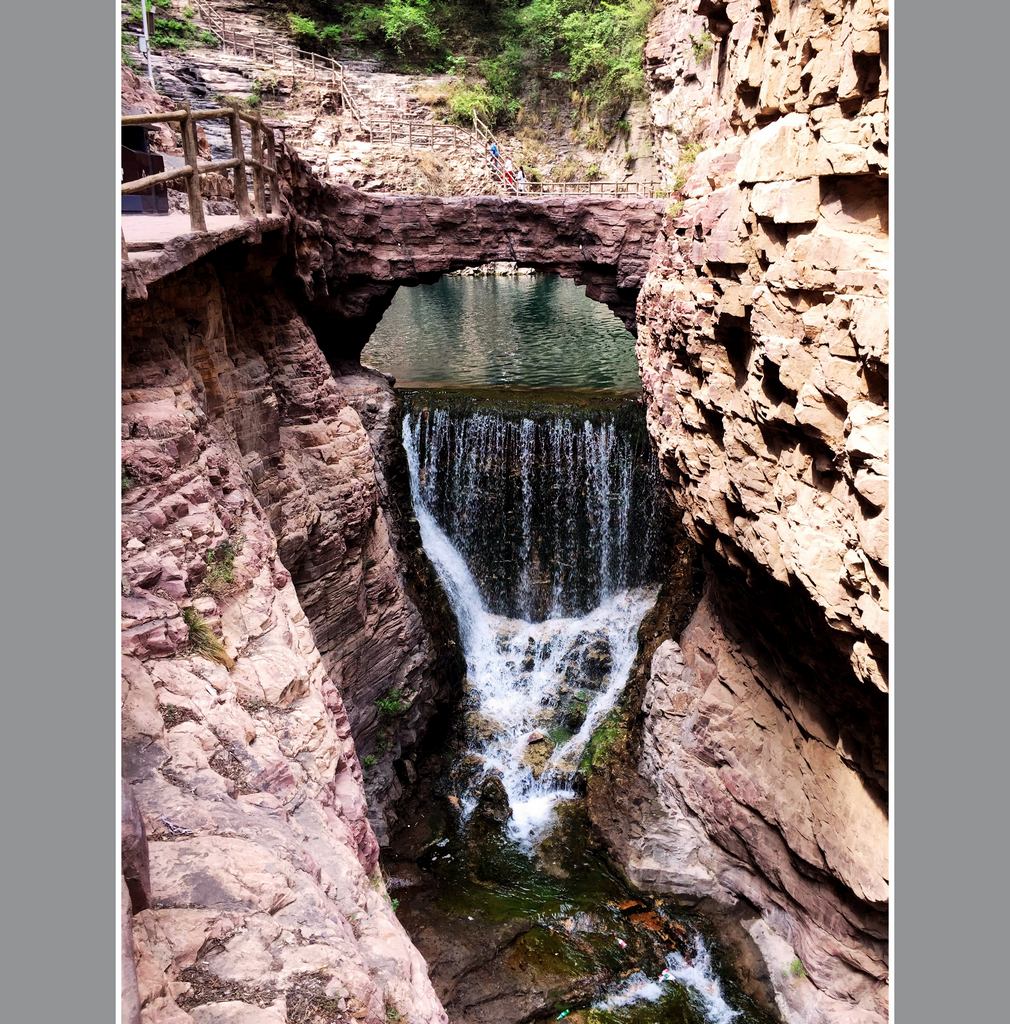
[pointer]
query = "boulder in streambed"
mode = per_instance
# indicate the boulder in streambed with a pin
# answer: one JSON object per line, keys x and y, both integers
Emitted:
{"x": 598, "y": 659}
{"x": 493, "y": 800}
{"x": 588, "y": 661}
{"x": 539, "y": 747}
{"x": 481, "y": 727}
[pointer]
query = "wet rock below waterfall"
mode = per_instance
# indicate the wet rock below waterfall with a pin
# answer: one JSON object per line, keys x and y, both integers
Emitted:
{"x": 539, "y": 747}
{"x": 493, "y": 800}
{"x": 588, "y": 662}
{"x": 481, "y": 727}
{"x": 568, "y": 714}
{"x": 597, "y": 661}
{"x": 514, "y": 937}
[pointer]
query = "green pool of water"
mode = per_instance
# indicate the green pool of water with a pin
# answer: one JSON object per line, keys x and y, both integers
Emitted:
{"x": 535, "y": 331}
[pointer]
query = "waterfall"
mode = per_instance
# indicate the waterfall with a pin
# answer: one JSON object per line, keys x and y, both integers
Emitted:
{"x": 553, "y": 514}
{"x": 542, "y": 528}
{"x": 697, "y": 975}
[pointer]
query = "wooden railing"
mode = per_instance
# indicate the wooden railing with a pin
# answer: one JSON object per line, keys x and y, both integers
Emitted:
{"x": 261, "y": 162}
{"x": 410, "y": 133}
{"x": 651, "y": 189}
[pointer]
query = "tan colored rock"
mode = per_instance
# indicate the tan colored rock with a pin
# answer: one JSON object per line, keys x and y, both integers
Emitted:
{"x": 235, "y": 1012}
{"x": 539, "y": 748}
{"x": 788, "y": 202}
{"x": 784, "y": 149}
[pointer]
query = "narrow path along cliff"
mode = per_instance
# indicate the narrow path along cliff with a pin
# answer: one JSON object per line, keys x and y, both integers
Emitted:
{"x": 550, "y": 678}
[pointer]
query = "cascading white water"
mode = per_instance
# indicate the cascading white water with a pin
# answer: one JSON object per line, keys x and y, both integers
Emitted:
{"x": 563, "y": 504}
{"x": 697, "y": 975}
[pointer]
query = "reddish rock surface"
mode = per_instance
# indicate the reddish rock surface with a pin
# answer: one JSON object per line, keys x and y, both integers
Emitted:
{"x": 263, "y": 885}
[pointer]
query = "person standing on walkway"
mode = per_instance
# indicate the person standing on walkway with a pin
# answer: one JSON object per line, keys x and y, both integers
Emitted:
{"x": 521, "y": 181}
{"x": 495, "y": 156}
{"x": 510, "y": 180}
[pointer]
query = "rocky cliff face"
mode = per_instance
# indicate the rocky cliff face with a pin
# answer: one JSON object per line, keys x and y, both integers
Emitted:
{"x": 763, "y": 348}
{"x": 268, "y": 584}
{"x": 764, "y": 352}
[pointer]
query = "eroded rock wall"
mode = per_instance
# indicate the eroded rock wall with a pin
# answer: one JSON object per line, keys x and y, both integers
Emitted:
{"x": 763, "y": 347}
{"x": 260, "y": 893}
{"x": 764, "y": 344}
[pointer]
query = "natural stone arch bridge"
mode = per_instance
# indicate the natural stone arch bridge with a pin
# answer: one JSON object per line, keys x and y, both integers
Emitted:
{"x": 346, "y": 252}
{"x": 358, "y": 248}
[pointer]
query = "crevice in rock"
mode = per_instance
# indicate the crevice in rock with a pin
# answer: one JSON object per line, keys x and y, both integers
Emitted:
{"x": 734, "y": 334}
{"x": 771, "y": 384}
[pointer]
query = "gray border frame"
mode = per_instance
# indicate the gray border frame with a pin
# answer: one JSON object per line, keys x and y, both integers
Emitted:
{"x": 60, "y": 412}
{"x": 950, "y": 372}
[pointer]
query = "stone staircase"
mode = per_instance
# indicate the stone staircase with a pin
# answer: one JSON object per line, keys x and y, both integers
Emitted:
{"x": 350, "y": 120}
{"x": 369, "y": 93}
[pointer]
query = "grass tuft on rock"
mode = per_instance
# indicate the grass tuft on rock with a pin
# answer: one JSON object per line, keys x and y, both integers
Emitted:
{"x": 203, "y": 640}
{"x": 220, "y": 577}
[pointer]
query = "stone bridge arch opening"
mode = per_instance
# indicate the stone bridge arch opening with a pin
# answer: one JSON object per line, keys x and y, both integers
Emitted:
{"x": 355, "y": 250}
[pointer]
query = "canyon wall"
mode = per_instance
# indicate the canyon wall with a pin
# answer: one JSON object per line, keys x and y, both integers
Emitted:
{"x": 763, "y": 348}
{"x": 269, "y": 580}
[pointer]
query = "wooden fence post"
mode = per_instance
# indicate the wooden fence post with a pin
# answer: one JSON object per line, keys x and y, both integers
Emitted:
{"x": 238, "y": 153}
{"x": 271, "y": 162}
{"x": 191, "y": 155}
{"x": 259, "y": 189}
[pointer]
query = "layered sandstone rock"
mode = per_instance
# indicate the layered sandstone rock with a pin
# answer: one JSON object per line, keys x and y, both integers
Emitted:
{"x": 266, "y": 606}
{"x": 744, "y": 796}
{"x": 764, "y": 354}
{"x": 764, "y": 350}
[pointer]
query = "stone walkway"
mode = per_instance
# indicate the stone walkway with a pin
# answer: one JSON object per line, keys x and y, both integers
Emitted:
{"x": 152, "y": 231}
{"x": 161, "y": 245}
